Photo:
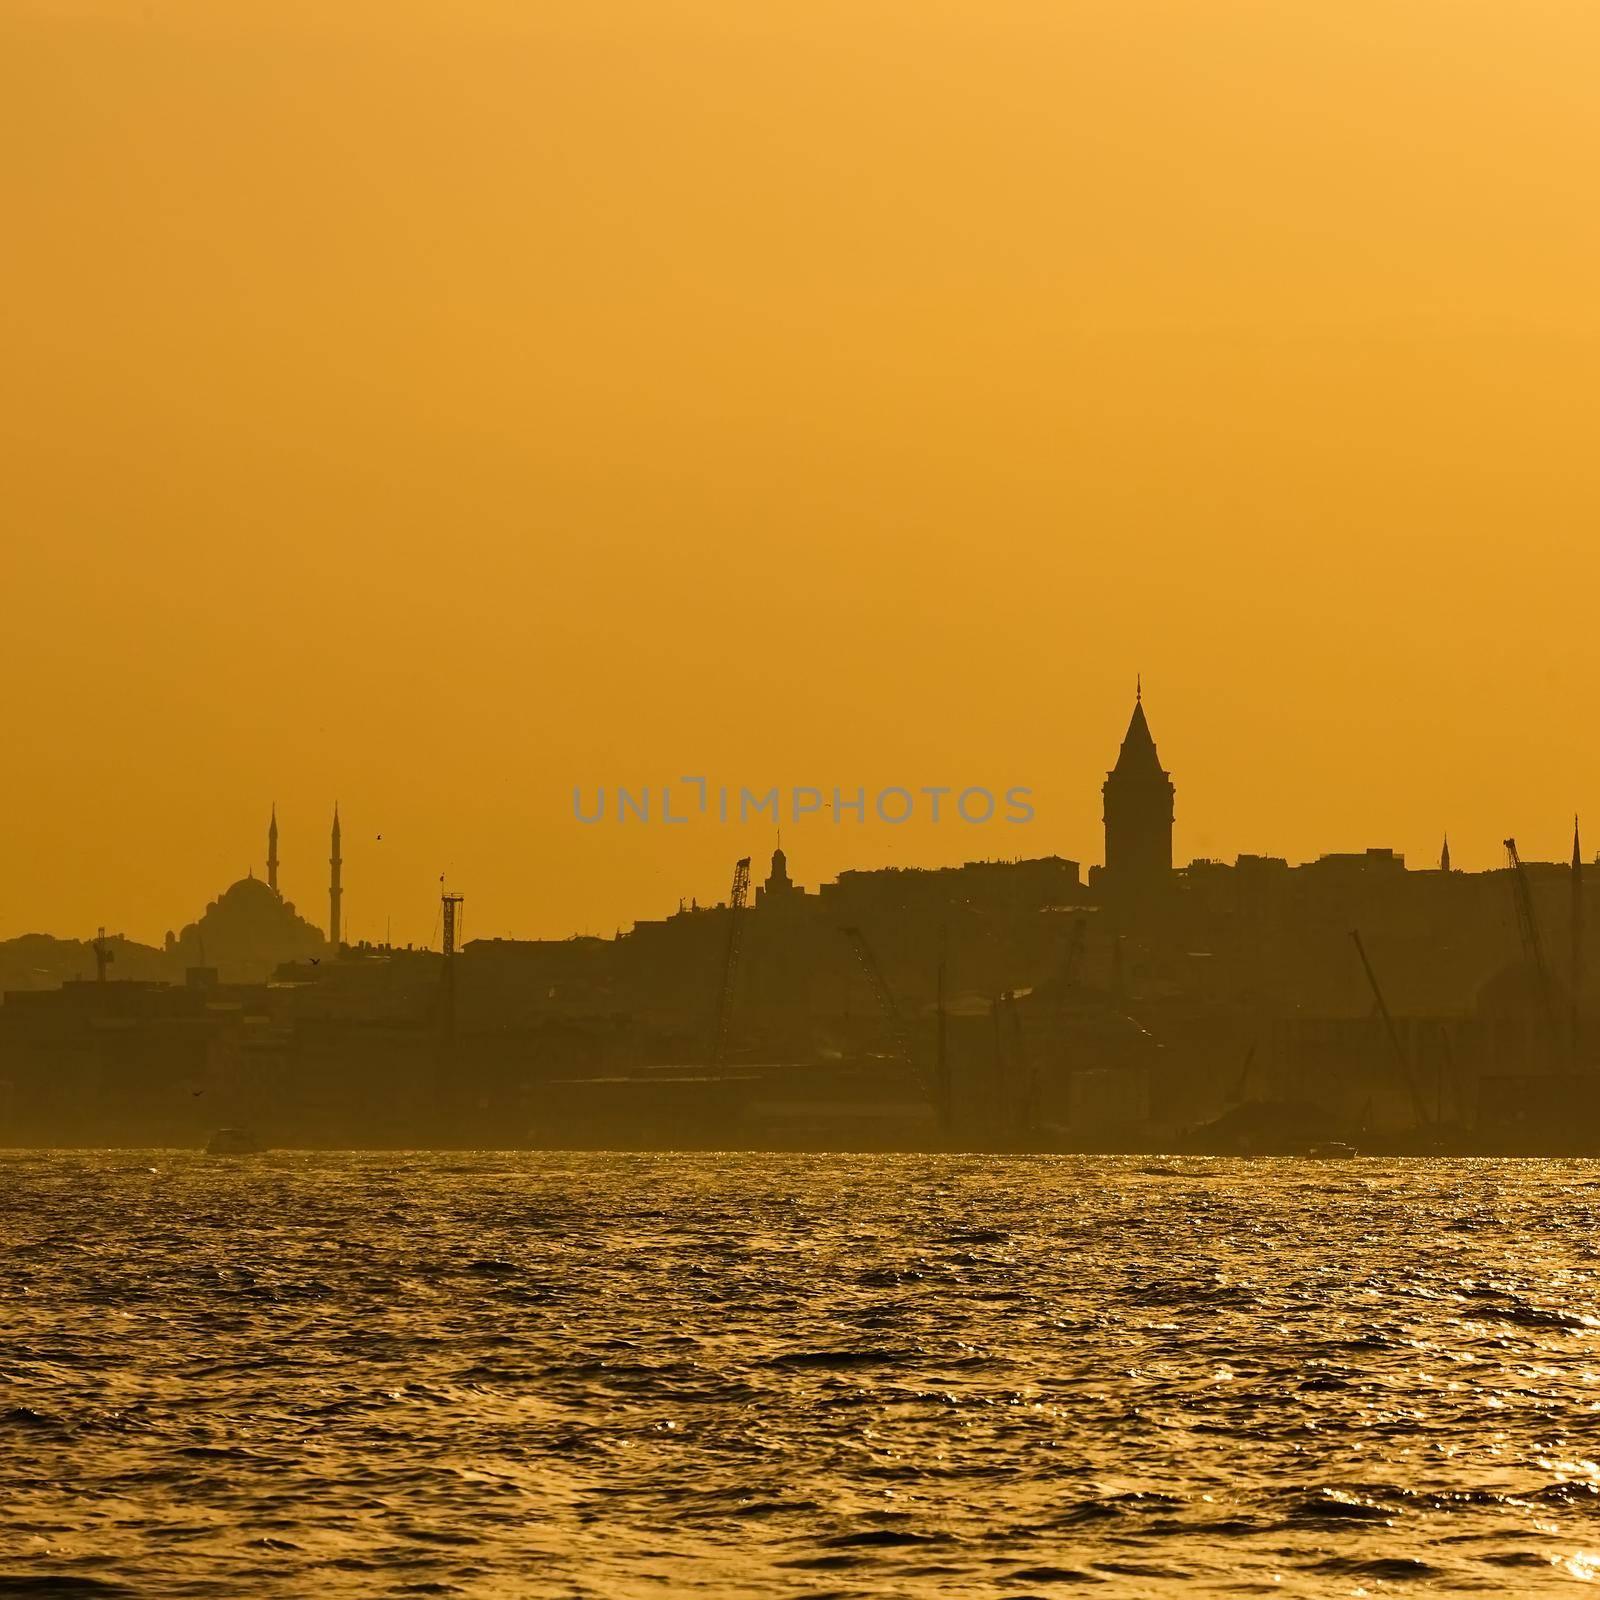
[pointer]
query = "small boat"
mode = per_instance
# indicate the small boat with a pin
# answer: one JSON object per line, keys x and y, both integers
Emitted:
{"x": 233, "y": 1142}
{"x": 1332, "y": 1150}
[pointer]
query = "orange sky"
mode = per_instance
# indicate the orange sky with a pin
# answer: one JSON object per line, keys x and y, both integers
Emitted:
{"x": 440, "y": 405}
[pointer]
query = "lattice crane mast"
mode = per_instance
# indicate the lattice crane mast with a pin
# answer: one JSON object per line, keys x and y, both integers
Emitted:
{"x": 737, "y": 897}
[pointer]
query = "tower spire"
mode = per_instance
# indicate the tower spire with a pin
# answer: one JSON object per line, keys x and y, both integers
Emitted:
{"x": 1444, "y": 855}
{"x": 272, "y": 850}
{"x": 335, "y": 893}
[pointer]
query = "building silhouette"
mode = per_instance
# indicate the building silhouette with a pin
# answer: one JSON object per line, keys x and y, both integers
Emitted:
{"x": 1138, "y": 816}
{"x": 778, "y": 883}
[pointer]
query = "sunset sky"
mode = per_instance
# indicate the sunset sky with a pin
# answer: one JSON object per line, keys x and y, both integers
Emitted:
{"x": 435, "y": 407}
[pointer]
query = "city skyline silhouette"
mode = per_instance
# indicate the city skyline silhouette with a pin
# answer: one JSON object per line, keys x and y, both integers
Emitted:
{"x": 799, "y": 798}
{"x": 933, "y": 834}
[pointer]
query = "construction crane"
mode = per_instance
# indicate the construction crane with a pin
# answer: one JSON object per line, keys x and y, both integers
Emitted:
{"x": 1528, "y": 928}
{"x": 1418, "y": 1108}
{"x": 450, "y": 906}
{"x": 1002, "y": 1067}
{"x": 1027, "y": 1109}
{"x": 737, "y": 897}
{"x": 1241, "y": 1088}
{"x": 1575, "y": 970}
{"x": 104, "y": 955}
{"x": 941, "y": 1061}
{"x": 1069, "y": 971}
{"x": 453, "y": 923}
{"x": 887, "y": 1004}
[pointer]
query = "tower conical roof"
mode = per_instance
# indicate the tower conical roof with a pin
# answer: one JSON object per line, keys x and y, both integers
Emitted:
{"x": 1137, "y": 757}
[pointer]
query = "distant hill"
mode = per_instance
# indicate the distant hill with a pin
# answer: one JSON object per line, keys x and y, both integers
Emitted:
{"x": 246, "y": 932}
{"x": 41, "y": 961}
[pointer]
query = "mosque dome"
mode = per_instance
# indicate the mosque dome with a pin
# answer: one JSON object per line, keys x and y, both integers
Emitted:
{"x": 248, "y": 930}
{"x": 246, "y": 892}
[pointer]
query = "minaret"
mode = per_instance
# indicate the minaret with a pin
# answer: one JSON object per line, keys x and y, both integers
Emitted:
{"x": 334, "y": 891}
{"x": 1444, "y": 855}
{"x": 272, "y": 850}
{"x": 1138, "y": 813}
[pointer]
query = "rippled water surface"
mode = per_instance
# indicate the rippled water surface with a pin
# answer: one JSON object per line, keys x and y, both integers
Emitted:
{"x": 788, "y": 1375}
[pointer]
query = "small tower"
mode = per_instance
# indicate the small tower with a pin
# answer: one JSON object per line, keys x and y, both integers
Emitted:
{"x": 334, "y": 891}
{"x": 1138, "y": 813}
{"x": 1444, "y": 855}
{"x": 778, "y": 880}
{"x": 272, "y": 850}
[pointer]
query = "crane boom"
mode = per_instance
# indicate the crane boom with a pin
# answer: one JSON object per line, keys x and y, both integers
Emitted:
{"x": 1069, "y": 970}
{"x": 1418, "y": 1108}
{"x": 1528, "y": 928}
{"x": 941, "y": 1063}
{"x": 887, "y": 1004}
{"x": 730, "y": 960}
